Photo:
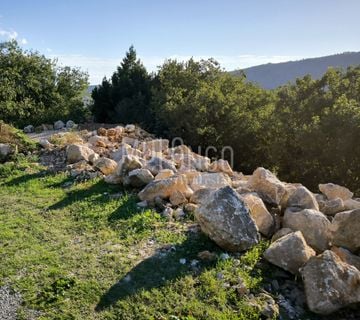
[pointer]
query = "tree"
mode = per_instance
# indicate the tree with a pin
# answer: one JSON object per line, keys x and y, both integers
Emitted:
{"x": 205, "y": 106}
{"x": 34, "y": 90}
{"x": 126, "y": 97}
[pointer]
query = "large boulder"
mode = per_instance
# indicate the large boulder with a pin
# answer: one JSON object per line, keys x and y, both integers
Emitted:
{"x": 5, "y": 151}
{"x": 123, "y": 150}
{"x": 157, "y": 145}
{"x": 289, "y": 252}
{"x": 201, "y": 195}
{"x": 106, "y": 165}
{"x": 58, "y": 125}
{"x": 138, "y": 178}
{"x": 70, "y": 124}
{"x": 258, "y": 211}
{"x": 100, "y": 141}
{"x": 345, "y": 230}
{"x": 333, "y": 191}
{"x": 221, "y": 165}
{"x": 130, "y": 128}
{"x": 77, "y": 152}
{"x": 348, "y": 257}
{"x": 331, "y": 207}
{"x": 164, "y": 188}
{"x": 156, "y": 164}
{"x": 302, "y": 198}
{"x": 330, "y": 284}
{"x": 201, "y": 163}
{"x": 313, "y": 224}
{"x": 164, "y": 174}
{"x": 267, "y": 186}
{"x": 226, "y": 219}
{"x": 127, "y": 164}
{"x": 210, "y": 180}
{"x": 351, "y": 204}
{"x": 177, "y": 198}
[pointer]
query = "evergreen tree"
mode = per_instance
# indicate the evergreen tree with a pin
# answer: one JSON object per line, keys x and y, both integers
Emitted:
{"x": 126, "y": 97}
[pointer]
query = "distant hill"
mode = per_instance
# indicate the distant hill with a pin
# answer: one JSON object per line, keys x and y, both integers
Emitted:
{"x": 272, "y": 75}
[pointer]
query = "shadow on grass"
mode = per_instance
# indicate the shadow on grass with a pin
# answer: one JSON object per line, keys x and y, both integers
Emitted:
{"x": 99, "y": 189}
{"x": 126, "y": 210}
{"x": 25, "y": 178}
{"x": 160, "y": 268}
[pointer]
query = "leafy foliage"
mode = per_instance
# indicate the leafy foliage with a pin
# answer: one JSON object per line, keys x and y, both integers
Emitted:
{"x": 33, "y": 90}
{"x": 307, "y": 132}
{"x": 205, "y": 106}
{"x": 317, "y": 128}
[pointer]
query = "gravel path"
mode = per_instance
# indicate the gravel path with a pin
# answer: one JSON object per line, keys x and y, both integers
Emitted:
{"x": 10, "y": 301}
{"x": 42, "y": 135}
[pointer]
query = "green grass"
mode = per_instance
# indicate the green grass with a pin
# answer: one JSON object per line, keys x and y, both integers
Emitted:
{"x": 81, "y": 253}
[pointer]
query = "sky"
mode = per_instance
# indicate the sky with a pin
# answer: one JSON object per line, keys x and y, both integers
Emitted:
{"x": 94, "y": 35}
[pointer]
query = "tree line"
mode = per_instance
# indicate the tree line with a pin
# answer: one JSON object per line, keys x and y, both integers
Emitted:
{"x": 306, "y": 131}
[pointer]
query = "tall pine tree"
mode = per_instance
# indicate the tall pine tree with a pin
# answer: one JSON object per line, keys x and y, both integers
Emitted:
{"x": 125, "y": 98}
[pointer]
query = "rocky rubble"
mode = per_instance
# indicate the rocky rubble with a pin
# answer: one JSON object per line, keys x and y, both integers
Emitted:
{"x": 234, "y": 210}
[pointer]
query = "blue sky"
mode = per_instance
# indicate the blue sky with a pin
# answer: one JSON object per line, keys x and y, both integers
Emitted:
{"x": 95, "y": 34}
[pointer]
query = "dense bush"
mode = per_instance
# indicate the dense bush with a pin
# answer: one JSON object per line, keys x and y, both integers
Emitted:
{"x": 33, "y": 90}
{"x": 316, "y": 129}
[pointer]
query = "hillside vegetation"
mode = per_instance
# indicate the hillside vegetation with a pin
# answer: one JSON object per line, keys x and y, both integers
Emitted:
{"x": 307, "y": 131}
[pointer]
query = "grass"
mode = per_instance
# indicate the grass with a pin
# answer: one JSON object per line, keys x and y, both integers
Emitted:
{"x": 66, "y": 138}
{"x": 15, "y": 137}
{"x": 87, "y": 252}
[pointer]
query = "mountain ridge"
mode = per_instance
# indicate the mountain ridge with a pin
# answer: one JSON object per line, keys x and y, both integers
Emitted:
{"x": 273, "y": 75}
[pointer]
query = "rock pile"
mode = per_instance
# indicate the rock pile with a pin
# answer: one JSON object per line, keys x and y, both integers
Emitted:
{"x": 315, "y": 236}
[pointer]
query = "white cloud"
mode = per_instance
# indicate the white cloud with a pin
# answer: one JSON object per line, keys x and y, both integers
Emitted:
{"x": 11, "y": 35}
{"x": 100, "y": 67}
{"x": 8, "y": 34}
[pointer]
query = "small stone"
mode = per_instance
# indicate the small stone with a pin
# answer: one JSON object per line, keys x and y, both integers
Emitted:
{"x": 182, "y": 261}
{"x": 179, "y": 214}
{"x": 224, "y": 256}
{"x": 142, "y": 204}
{"x": 168, "y": 212}
{"x": 207, "y": 255}
{"x": 29, "y": 129}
